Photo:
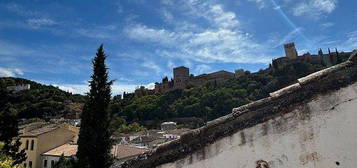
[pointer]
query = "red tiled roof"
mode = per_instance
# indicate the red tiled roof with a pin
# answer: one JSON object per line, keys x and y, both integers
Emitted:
{"x": 125, "y": 151}
{"x": 66, "y": 149}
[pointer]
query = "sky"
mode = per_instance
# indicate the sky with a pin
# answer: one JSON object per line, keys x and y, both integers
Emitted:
{"x": 53, "y": 41}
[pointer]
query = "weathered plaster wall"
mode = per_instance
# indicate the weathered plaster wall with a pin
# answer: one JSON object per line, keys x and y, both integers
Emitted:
{"x": 321, "y": 133}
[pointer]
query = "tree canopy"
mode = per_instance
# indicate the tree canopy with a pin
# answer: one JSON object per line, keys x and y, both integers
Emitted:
{"x": 211, "y": 101}
{"x": 94, "y": 143}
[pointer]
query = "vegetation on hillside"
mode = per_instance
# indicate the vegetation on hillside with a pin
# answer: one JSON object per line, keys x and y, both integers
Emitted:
{"x": 211, "y": 101}
{"x": 40, "y": 101}
{"x": 10, "y": 151}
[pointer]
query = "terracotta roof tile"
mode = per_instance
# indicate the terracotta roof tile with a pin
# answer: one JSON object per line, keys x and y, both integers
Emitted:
{"x": 66, "y": 149}
{"x": 124, "y": 151}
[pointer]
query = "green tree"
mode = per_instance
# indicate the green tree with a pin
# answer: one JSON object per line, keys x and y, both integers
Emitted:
{"x": 65, "y": 162}
{"x": 9, "y": 135}
{"x": 94, "y": 143}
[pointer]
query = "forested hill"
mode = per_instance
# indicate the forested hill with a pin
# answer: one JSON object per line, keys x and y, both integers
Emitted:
{"x": 205, "y": 102}
{"x": 41, "y": 101}
{"x": 212, "y": 101}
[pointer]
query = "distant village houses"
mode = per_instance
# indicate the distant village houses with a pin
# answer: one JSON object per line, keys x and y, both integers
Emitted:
{"x": 40, "y": 138}
{"x": 46, "y": 142}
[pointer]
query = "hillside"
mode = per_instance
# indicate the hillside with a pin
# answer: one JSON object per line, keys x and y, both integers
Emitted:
{"x": 41, "y": 101}
{"x": 211, "y": 101}
{"x": 194, "y": 104}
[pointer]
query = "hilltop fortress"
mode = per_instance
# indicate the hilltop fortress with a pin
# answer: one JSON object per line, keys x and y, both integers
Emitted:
{"x": 291, "y": 56}
{"x": 182, "y": 77}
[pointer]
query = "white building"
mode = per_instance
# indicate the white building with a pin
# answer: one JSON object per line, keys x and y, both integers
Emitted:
{"x": 18, "y": 88}
{"x": 168, "y": 126}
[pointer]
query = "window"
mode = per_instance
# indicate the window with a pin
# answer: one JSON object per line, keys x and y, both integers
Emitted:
{"x": 32, "y": 144}
{"x": 27, "y": 145}
{"x": 45, "y": 163}
{"x": 52, "y": 163}
{"x": 30, "y": 164}
{"x": 25, "y": 165}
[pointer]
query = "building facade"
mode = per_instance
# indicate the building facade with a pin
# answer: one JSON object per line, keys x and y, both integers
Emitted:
{"x": 39, "y": 138}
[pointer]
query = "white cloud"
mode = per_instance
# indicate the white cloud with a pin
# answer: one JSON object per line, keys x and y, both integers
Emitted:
{"x": 20, "y": 10}
{"x": 125, "y": 79}
{"x": 222, "y": 18}
{"x": 10, "y": 72}
{"x": 168, "y": 17}
{"x": 221, "y": 41}
{"x": 98, "y": 32}
{"x": 351, "y": 42}
{"x": 143, "y": 33}
{"x": 11, "y": 49}
{"x": 215, "y": 14}
{"x": 315, "y": 8}
{"x": 277, "y": 7}
{"x": 18, "y": 71}
{"x": 202, "y": 68}
{"x": 151, "y": 65}
{"x": 328, "y": 24}
{"x": 40, "y": 22}
{"x": 170, "y": 64}
{"x": 116, "y": 88}
{"x": 261, "y": 3}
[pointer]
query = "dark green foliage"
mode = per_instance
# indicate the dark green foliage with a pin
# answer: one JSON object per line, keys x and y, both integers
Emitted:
{"x": 94, "y": 142}
{"x": 65, "y": 163}
{"x": 40, "y": 101}
{"x": 165, "y": 79}
{"x": 211, "y": 101}
{"x": 133, "y": 127}
{"x": 9, "y": 134}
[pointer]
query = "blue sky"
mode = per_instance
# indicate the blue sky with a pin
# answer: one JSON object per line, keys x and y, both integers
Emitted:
{"x": 53, "y": 42}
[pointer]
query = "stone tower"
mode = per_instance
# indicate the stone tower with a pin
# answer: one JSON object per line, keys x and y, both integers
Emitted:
{"x": 181, "y": 77}
{"x": 290, "y": 50}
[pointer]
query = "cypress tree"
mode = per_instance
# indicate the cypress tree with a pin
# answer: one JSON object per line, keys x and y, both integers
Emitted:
{"x": 94, "y": 142}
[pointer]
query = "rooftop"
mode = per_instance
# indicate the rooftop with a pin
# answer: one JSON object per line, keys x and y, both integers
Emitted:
{"x": 37, "y": 129}
{"x": 125, "y": 151}
{"x": 67, "y": 150}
